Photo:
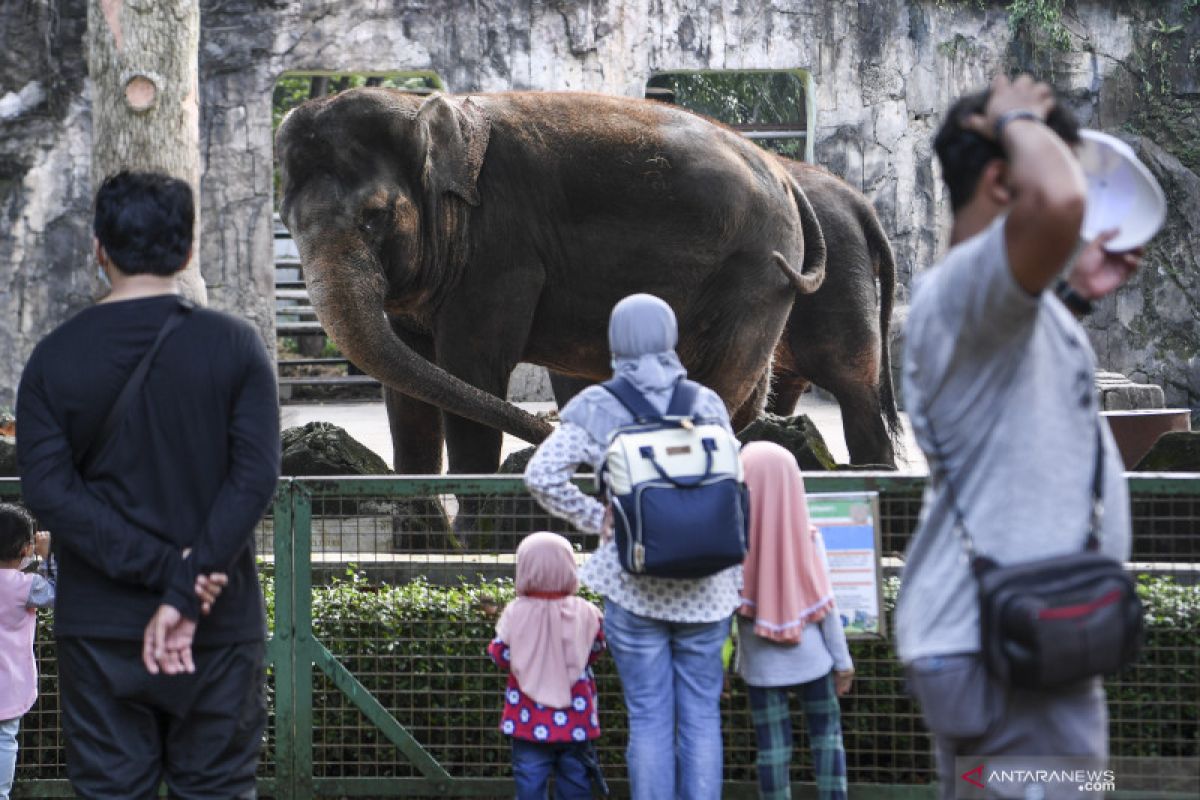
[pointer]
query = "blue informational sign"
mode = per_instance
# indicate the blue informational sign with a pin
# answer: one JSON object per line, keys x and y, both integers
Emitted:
{"x": 848, "y": 524}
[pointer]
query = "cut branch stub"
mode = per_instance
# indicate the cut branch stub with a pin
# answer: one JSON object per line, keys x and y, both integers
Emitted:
{"x": 141, "y": 90}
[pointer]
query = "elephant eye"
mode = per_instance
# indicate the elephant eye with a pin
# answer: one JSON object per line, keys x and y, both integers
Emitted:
{"x": 373, "y": 220}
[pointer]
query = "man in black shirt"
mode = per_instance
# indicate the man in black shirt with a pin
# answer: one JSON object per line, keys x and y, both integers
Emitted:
{"x": 159, "y": 678}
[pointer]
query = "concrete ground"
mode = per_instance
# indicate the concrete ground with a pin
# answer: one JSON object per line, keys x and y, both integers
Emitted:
{"x": 367, "y": 422}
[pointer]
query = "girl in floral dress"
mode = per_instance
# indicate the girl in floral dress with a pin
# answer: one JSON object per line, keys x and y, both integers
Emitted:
{"x": 547, "y": 640}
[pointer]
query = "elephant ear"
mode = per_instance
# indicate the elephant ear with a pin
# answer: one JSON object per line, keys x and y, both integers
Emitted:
{"x": 455, "y": 134}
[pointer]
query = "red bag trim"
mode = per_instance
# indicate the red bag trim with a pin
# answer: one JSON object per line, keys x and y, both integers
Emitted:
{"x": 1071, "y": 612}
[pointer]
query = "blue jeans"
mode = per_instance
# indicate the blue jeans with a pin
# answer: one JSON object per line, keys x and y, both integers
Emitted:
{"x": 672, "y": 676}
{"x": 8, "y": 754}
{"x": 534, "y": 762}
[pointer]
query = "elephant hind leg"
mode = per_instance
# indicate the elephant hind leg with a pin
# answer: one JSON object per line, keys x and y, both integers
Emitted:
{"x": 566, "y": 387}
{"x": 752, "y": 408}
{"x": 785, "y": 393}
{"x": 866, "y": 434}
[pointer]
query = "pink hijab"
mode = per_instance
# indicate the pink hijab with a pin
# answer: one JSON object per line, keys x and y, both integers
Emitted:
{"x": 548, "y": 629}
{"x": 786, "y": 584}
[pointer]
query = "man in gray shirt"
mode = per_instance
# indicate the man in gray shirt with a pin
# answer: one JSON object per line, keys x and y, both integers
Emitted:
{"x": 998, "y": 383}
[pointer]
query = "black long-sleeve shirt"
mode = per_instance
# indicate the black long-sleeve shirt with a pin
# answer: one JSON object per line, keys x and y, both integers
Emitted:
{"x": 193, "y": 464}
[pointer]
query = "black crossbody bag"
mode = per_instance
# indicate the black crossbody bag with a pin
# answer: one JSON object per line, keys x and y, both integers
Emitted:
{"x": 1055, "y": 621}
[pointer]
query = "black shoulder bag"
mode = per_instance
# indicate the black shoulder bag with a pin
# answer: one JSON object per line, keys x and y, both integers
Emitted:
{"x": 136, "y": 379}
{"x": 1055, "y": 621}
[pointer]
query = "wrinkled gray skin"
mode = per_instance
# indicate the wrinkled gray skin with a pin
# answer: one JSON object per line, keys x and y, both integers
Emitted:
{"x": 837, "y": 336}
{"x": 445, "y": 239}
{"x": 834, "y": 337}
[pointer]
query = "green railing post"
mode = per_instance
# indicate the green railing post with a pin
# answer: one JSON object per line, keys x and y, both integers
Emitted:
{"x": 304, "y": 648}
{"x": 281, "y": 648}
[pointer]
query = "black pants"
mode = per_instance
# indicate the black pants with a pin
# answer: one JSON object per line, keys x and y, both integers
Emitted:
{"x": 128, "y": 731}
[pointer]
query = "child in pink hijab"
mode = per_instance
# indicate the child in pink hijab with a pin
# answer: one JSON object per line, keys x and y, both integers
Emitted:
{"x": 547, "y": 640}
{"x": 21, "y": 594}
{"x": 790, "y": 636}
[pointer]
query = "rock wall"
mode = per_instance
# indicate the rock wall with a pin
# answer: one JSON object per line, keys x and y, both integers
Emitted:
{"x": 883, "y": 70}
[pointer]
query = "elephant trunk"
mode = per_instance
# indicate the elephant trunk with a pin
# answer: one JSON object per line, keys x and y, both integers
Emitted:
{"x": 348, "y": 296}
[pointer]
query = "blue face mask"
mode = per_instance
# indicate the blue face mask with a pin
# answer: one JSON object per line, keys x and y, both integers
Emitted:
{"x": 103, "y": 277}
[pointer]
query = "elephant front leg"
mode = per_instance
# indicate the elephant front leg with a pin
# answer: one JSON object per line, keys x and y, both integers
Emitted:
{"x": 481, "y": 334}
{"x": 483, "y": 350}
{"x": 418, "y": 523}
{"x": 473, "y": 449}
{"x": 416, "y": 426}
{"x": 417, "y": 434}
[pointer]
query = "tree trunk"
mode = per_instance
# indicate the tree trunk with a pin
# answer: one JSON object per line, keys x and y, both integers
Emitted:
{"x": 142, "y": 60}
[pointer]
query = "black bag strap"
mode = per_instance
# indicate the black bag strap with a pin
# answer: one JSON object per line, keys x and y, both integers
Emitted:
{"x": 683, "y": 399}
{"x": 132, "y": 385}
{"x": 980, "y": 564}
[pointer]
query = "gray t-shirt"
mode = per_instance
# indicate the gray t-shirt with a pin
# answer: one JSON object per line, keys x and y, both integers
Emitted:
{"x": 1007, "y": 381}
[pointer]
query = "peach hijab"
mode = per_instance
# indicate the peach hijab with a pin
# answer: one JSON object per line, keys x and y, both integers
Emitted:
{"x": 786, "y": 583}
{"x": 548, "y": 629}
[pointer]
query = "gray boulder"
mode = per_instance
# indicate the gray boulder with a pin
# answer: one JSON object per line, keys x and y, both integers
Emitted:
{"x": 322, "y": 448}
{"x": 498, "y": 522}
{"x": 798, "y": 435}
{"x": 516, "y": 462}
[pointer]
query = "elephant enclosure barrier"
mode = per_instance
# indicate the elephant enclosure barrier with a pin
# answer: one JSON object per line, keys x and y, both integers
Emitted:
{"x": 382, "y": 594}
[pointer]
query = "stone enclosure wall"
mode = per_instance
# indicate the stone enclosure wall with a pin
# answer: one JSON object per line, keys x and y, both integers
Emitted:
{"x": 883, "y": 71}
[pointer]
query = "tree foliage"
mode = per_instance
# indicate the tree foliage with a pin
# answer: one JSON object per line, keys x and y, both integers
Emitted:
{"x": 751, "y": 99}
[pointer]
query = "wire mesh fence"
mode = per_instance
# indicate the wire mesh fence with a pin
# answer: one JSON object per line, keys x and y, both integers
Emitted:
{"x": 403, "y": 579}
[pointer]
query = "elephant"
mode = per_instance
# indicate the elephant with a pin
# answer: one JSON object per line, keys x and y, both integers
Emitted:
{"x": 835, "y": 337}
{"x": 446, "y": 238}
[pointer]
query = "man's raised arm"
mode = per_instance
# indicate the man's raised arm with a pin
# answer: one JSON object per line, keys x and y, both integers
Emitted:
{"x": 1044, "y": 178}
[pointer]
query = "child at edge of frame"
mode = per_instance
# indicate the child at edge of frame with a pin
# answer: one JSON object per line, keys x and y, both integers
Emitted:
{"x": 21, "y": 594}
{"x": 790, "y": 635}
{"x": 547, "y": 639}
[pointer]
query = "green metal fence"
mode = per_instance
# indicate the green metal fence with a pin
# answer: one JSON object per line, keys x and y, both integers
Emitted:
{"x": 380, "y": 687}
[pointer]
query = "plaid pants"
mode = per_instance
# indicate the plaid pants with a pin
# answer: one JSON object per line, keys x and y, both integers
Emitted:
{"x": 773, "y": 730}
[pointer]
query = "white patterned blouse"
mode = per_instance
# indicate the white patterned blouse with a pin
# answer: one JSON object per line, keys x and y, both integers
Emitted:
{"x": 548, "y": 477}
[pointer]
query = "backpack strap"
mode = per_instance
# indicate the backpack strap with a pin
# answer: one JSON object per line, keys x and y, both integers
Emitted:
{"x": 633, "y": 400}
{"x": 683, "y": 401}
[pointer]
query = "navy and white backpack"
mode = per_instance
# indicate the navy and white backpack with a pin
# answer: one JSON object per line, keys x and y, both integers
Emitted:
{"x": 674, "y": 481}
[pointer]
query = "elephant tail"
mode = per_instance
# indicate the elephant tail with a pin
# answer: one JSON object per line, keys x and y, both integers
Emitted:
{"x": 885, "y": 270}
{"x": 812, "y": 272}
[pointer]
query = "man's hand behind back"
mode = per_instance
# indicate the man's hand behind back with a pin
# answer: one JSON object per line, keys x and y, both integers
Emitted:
{"x": 208, "y": 589}
{"x": 168, "y": 638}
{"x": 167, "y": 642}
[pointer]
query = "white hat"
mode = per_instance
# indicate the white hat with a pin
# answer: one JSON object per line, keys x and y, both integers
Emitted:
{"x": 1121, "y": 192}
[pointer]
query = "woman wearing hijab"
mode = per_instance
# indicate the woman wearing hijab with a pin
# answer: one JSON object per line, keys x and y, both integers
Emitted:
{"x": 787, "y": 587}
{"x": 665, "y": 634}
{"x": 547, "y": 640}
